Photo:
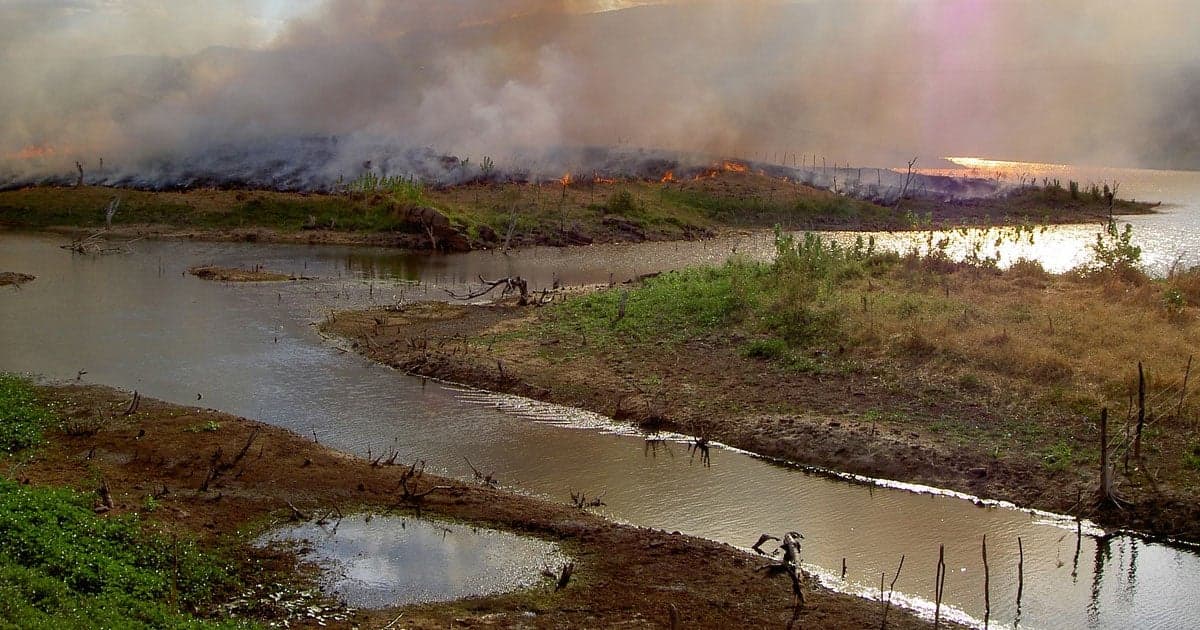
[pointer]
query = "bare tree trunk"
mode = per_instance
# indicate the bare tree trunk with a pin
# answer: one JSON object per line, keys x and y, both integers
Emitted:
{"x": 1137, "y": 439}
{"x": 1105, "y": 473}
{"x": 907, "y": 180}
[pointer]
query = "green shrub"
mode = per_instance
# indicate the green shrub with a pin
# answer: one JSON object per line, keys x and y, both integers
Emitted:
{"x": 22, "y": 417}
{"x": 765, "y": 349}
{"x": 1114, "y": 251}
{"x": 623, "y": 203}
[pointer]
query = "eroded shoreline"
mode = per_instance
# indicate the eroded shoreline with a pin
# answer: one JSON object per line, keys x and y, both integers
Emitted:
{"x": 623, "y": 574}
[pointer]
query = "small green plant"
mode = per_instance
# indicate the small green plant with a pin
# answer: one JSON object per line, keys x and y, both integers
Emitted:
{"x": 207, "y": 427}
{"x": 1058, "y": 457}
{"x": 1114, "y": 250}
{"x": 765, "y": 349}
{"x": 1174, "y": 300}
{"x": 970, "y": 381}
{"x": 22, "y": 416}
{"x": 1192, "y": 459}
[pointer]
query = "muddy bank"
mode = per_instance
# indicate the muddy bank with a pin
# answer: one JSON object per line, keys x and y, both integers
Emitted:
{"x": 12, "y": 278}
{"x": 233, "y": 274}
{"x": 707, "y": 388}
{"x": 225, "y": 478}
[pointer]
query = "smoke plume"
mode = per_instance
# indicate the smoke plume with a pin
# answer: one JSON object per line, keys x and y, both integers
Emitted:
{"x": 205, "y": 92}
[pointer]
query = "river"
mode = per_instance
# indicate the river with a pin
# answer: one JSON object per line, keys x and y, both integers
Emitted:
{"x": 137, "y": 321}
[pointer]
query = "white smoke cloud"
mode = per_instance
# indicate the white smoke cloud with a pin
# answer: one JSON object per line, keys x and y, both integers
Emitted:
{"x": 198, "y": 86}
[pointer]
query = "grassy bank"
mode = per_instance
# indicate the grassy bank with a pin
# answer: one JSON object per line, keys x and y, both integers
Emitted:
{"x": 904, "y": 366}
{"x": 515, "y": 215}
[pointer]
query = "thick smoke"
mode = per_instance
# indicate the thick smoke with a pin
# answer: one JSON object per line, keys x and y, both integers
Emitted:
{"x": 398, "y": 84}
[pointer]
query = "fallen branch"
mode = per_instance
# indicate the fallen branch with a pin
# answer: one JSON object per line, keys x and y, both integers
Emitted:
{"x": 510, "y": 284}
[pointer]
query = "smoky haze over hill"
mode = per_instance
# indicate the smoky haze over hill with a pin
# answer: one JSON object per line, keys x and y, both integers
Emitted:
{"x": 870, "y": 83}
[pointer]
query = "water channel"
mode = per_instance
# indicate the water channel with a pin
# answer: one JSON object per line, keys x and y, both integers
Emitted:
{"x": 137, "y": 321}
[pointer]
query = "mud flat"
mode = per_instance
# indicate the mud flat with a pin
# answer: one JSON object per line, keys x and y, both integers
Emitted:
{"x": 12, "y": 278}
{"x": 234, "y": 274}
{"x": 227, "y": 479}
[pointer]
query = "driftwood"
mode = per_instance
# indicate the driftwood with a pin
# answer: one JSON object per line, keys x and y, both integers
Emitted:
{"x": 580, "y": 500}
{"x": 511, "y": 284}
{"x": 789, "y": 564}
{"x": 488, "y": 480}
{"x": 95, "y": 245}
{"x": 133, "y": 404}
{"x": 415, "y": 472}
{"x": 106, "y": 501}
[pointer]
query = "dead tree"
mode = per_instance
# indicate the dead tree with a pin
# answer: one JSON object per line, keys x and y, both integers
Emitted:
{"x": 907, "y": 180}
{"x": 511, "y": 284}
{"x": 110, "y": 211}
{"x": 79, "y": 167}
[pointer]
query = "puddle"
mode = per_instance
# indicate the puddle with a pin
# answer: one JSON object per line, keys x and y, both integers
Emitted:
{"x": 383, "y": 561}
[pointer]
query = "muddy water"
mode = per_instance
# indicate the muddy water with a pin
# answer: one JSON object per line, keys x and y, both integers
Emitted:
{"x": 138, "y": 322}
{"x": 381, "y": 561}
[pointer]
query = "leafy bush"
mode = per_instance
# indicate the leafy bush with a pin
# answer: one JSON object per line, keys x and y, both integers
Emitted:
{"x": 1114, "y": 251}
{"x": 22, "y": 417}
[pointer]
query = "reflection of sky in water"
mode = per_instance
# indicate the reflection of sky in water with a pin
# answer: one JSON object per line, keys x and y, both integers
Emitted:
{"x": 381, "y": 561}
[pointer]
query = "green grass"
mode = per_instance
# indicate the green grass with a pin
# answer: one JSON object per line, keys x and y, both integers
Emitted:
{"x": 62, "y": 566}
{"x": 22, "y": 416}
{"x": 749, "y": 210}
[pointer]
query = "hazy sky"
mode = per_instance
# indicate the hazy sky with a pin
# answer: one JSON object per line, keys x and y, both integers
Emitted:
{"x": 1095, "y": 81}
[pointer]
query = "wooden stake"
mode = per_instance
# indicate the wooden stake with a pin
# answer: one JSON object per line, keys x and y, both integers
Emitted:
{"x": 987, "y": 586}
{"x": 1105, "y": 474}
{"x": 939, "y": 585}
{"x": 1020, "y": 572}
{"x": 1183, "y": 392}
{"x": 1137, "y": 439}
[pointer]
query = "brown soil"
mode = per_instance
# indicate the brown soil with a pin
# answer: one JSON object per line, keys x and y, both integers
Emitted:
{"x": 13, "y": 278}
{"x": 706, "y": 388}
{"x": 233, "y": 274}
{"x": 624, "y": 576}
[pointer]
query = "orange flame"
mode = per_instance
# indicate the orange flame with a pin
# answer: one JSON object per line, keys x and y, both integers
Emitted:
{"x": 669, "y": 177}
{"x": 603, "y": 180}
{"x": 735, "y": 167}
{"x": 33, "y": 152}
{"x": 565, "y": 180}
